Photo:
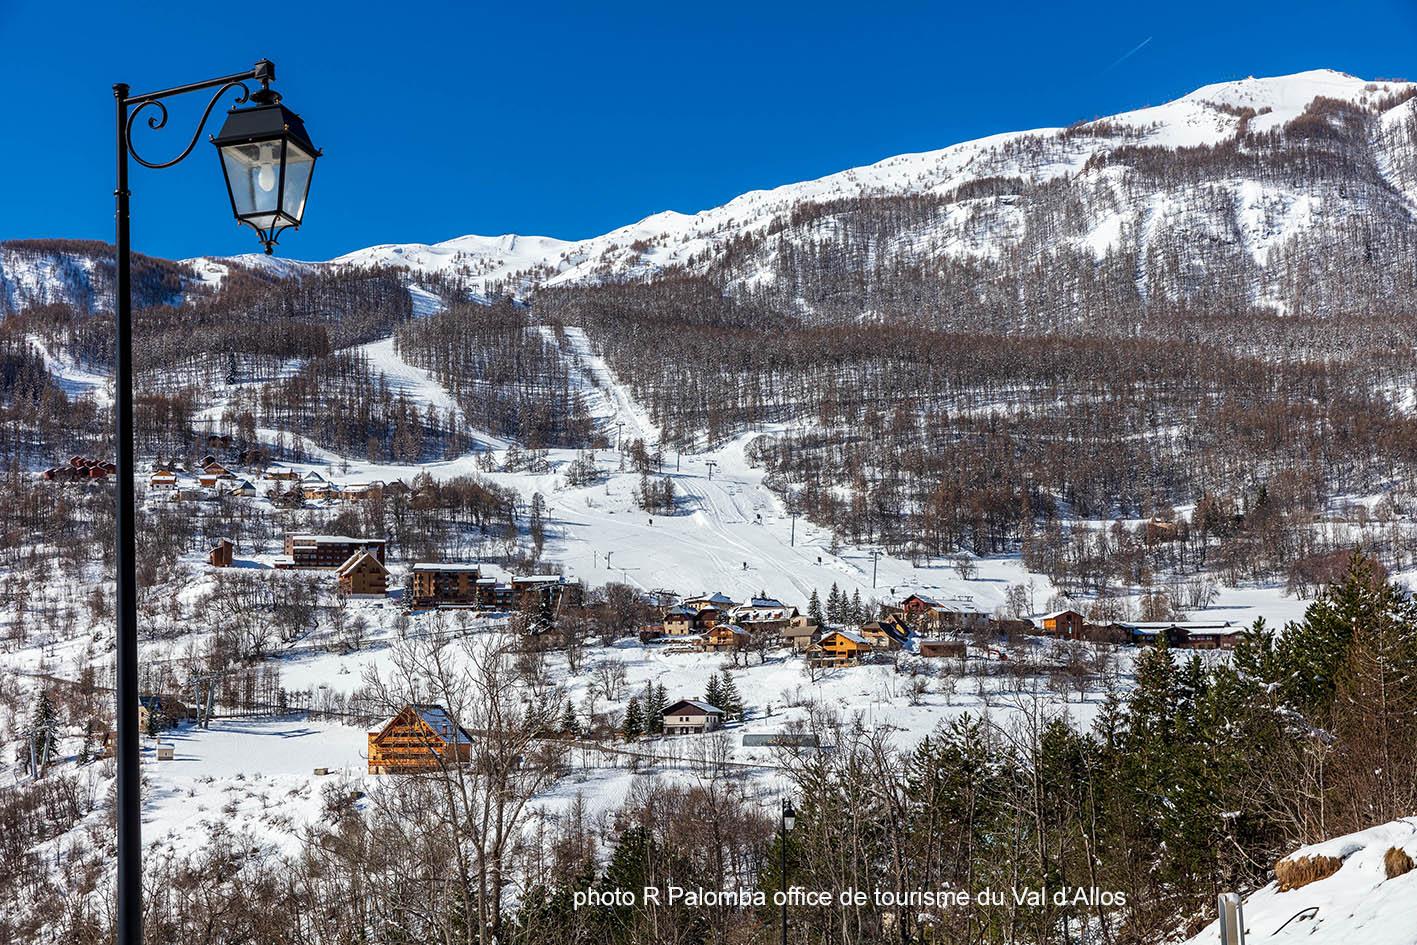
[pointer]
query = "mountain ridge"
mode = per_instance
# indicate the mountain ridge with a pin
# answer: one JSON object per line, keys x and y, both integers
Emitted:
{"x": 1209, "y": 116}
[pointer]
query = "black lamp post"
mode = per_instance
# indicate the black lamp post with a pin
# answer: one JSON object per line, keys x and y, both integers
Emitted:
{"x": 789, "y": 820}
{"x": 267, "y": 159}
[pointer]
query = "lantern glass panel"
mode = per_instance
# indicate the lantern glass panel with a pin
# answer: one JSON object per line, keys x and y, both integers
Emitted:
{"x": 298, "y": 166}
{"x": 253, "y": 171}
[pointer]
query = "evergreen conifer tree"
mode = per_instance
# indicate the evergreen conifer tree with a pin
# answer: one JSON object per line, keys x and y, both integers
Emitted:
{"x": 42, "y": 731}
{"x": 713, "y": 692}
{"x": 634, "y": 724}
{"x": 732, "y": 703}
{"x": 570, "y": 725}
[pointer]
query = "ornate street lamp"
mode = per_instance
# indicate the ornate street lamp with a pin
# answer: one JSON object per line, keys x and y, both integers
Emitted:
{"x": 268, "y": 159}
{"x": 266, "y": 148}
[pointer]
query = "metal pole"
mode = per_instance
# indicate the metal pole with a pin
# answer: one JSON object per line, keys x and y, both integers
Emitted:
{"x": 875, "y": 560}
{"x": 782, "y": 854}
{"x": 130, "y": 840}
{"x": 794, "y": 530}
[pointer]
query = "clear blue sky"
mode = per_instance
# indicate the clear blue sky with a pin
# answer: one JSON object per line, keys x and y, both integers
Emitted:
{"x": 571, "y": 118}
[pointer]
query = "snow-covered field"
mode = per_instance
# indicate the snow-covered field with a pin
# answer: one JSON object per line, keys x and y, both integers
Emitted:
{"x": 1357, "y": 904}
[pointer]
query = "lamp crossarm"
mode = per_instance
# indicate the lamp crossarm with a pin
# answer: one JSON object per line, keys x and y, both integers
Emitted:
{"x": 263, "y": 72}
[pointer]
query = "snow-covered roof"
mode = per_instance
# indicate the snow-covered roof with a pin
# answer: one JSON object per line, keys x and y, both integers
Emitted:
{"x": 356, "y": 559}
{"x": 718, "y": 598}
{"x": 335, "y": 540}
{"x": 1149, "y": 627}
{"x": 446, "y": 566}
{"x": 731, "y": 628}
{"x": 702, "y": 706}
{"x": 437, "y": 718}
{"x": 1058, "y": 613}
{"x": 851, "y": 635}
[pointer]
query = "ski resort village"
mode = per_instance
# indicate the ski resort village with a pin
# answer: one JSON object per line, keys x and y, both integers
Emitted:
{"x": 1031, "y": 520}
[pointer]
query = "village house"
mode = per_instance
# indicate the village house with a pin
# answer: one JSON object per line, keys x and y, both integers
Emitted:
{"x": 680, "y": 621}
{"x": 726, "y": 637}
{"x": 314, "y": 486}
{"x": 280, "y": 474}
{"x": 445, "y": 585}
{"x": 923, "y": 612}
{"x": 239, "y": 487}
{"x": 221, "y": 554}
{"x": 353, "y": 492}
{"x": 1064, "y": 624}
{"x": 326, "y": 551}
{"x": 799, "y": 633}
{"x": 1183, "y": 635}
{"x": 942, "y": 649}
{"x": 763, "y": 615}
{"x": 418, "y": 738}
{"x": 162, "y": 479}
{"x": 876, "y": 634}
{"x": 718, "y": 601}
{"x": 692, "y": 717}
{"x": 159, "y": 712}
{"x": 699, "y": 617}
{"x": 363, "y": 575}
{"x": 534, "y": 591}
{"x": 839, "y": 647}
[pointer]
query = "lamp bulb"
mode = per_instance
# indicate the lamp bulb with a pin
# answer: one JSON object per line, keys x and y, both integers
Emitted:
{"x": 266, "y": 177}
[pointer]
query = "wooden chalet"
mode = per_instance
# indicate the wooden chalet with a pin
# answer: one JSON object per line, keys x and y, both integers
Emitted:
{"x": 162, "y": 479}
{"x": 355, "y": 491}
{"x": 437, "y": 584}
{"x": 680, "y": 622}
{"x": 799, "y": 633}
{"x": 692, "y": 717}
{"x": 279, "y": 474}
{"x": 943, "y": 649}
{"x": 923, "y": 612}
{"x": 314, "y": 486}
{"x": 684, "y": 620}
{"x": 221, "y": 554}
{"x": 876, "y": 634}
{"x": 418, "y": 738}
{"x": 1184, "y": 635}
{"x": 363, "y": 575}
{"x": 327, "y": 551}
{"x": 1065, "y": 624}
{"x": 839, "y": 647}
{"x": 718, "y": 601}
{"x": 724, "y": 637}
{"x": 240, "y": 487}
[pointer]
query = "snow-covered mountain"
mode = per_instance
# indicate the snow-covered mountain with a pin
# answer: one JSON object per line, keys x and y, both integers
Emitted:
{"x": 1288, "y": 193}
{"x": 80, "y": 273}
{"x": 1214, "y": 170}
